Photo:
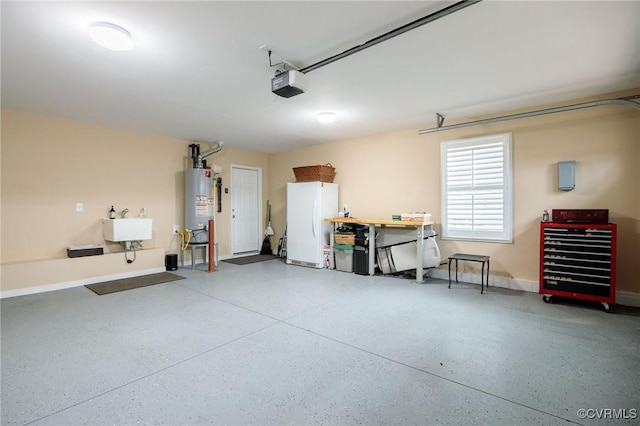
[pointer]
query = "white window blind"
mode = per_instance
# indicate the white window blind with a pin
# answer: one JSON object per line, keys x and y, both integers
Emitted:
{"x": 476, "y": 188}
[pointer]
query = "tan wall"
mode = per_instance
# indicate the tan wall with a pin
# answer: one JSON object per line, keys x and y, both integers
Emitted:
{"x": 400, "y": 172}
{"x": 49, "y": 164}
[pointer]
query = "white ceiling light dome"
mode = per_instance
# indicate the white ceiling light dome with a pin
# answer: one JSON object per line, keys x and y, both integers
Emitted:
{"x": 326, "y": 117}
{"x": 111, "y": 36}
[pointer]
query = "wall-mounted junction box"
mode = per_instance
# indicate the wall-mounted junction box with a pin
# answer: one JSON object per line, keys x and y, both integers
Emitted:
{"x": 566, "y": 175}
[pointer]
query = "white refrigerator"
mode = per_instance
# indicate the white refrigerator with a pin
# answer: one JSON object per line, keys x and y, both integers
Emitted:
{"x": 308, "y": 204}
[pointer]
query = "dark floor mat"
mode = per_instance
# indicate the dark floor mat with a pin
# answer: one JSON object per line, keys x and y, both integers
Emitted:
{"x": 131, "y": 283}
{"x": 251, "y": 259}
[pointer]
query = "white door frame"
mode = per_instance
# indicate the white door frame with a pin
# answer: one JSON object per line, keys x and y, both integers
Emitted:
{"x": 259, "y": 229}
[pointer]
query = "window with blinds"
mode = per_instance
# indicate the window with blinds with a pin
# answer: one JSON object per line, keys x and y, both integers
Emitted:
{"x": 476, "y": 189}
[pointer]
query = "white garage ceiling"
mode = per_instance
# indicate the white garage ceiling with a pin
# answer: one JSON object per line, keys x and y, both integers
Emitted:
{"x": 197, "y": 71}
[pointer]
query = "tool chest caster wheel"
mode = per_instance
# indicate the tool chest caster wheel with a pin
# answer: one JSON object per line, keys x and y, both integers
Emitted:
{"x": 607, "y": 307}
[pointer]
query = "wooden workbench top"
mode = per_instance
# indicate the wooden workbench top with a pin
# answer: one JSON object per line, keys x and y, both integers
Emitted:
{"x": 383, "y": 222}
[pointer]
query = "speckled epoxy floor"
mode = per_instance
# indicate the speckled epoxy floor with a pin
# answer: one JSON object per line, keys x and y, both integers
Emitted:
{"x": 268, "y": 343}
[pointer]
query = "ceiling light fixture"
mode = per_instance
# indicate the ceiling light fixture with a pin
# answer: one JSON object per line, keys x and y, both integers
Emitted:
{"x": 326, "y": 117}
{"x": 111, "y": 36}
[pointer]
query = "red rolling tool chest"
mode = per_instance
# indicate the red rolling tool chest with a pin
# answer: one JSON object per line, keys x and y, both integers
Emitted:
{"x": 578, "y": 260}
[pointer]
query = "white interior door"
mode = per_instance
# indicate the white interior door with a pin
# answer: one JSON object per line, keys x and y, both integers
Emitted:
{"x": 246, "y": 184}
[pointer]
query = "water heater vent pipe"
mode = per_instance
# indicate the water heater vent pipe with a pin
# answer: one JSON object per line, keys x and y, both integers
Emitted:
{"x": 198, "y": 157}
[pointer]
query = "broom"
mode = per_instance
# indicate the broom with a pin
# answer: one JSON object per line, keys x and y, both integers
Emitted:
{"x": 266, "y": 243}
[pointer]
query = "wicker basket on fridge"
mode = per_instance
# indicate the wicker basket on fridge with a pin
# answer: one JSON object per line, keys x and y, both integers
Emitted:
{"x": 318, "y": 173}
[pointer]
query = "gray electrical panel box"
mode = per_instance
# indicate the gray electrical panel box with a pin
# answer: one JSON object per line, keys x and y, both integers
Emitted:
{"x": 566, "y": 175}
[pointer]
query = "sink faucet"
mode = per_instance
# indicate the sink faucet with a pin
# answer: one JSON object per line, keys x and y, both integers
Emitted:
{"x": 124, "y": 213}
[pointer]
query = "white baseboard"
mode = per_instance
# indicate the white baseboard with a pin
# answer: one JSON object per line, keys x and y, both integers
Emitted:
{"x": 503, "y": 282}
{"x": 77, "y": 283}
{"x": 628, "y": 298}
{"x": 625, "y": 298}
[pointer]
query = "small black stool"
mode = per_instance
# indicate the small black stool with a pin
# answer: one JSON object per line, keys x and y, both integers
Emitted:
{"x": 470, "y": 258}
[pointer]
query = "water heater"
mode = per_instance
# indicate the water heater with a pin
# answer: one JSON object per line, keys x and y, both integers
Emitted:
{"x": 198, "y": 192}
{"x": 199, "y": 203}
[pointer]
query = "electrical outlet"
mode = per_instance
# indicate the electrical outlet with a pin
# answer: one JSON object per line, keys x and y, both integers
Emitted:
{"x": 79, "y": 207}
{"x": 176, "y": 228}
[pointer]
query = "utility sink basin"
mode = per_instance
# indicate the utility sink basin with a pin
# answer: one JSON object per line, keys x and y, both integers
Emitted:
{"x": 134, "y": 229}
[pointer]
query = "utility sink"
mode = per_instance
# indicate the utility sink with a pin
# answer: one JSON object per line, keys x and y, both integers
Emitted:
{"x": 134, "y": 229}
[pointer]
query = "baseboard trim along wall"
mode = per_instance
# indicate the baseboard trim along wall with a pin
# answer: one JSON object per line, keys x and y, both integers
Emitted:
{"x": 494, "y": 281}
{"x": 37, "y": 276}
{"x": 625, "y": 298}
{"x": 77, "y": 283}
{"x": 628, "y": 298}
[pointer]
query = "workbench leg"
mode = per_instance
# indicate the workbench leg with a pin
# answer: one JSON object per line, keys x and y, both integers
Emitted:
{"x": 372, "y": 249}
{"x": 420, "y": 246}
